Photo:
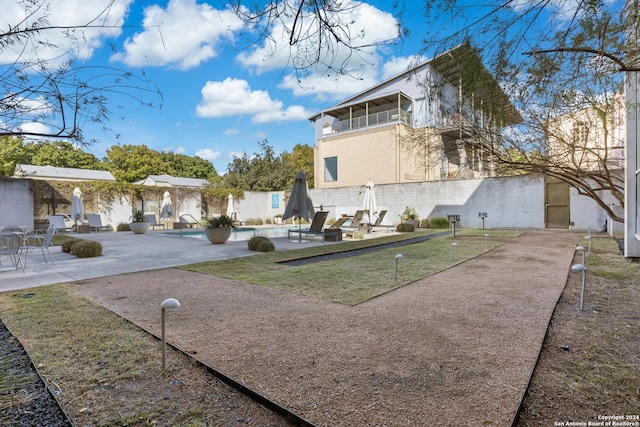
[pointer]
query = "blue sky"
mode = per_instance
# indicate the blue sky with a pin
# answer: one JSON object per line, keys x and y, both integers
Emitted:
{"x": 221, "y": 95}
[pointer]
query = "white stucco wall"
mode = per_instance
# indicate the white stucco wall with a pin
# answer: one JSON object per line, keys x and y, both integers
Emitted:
{"x": 16, "y": 203}
{"x": 508, "y": 201}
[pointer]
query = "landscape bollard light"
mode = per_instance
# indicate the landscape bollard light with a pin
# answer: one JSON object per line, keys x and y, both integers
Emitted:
{"x": 398, "y": 257}
{"x": 589, "y": 230}
{"x": 486, "y": 242}
{"x": 169, "y": 303}
{"x": 583, "y": 269}
{"x": 589, "y": 239}
{"x": 581, "y": 248}
{"x": 453, "y": 245}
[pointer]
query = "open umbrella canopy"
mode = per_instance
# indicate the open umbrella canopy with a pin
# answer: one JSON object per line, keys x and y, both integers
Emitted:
{"x": 77, "y": 208}
{"x": 299, "y": 204}
{"x": 166, "y": 210}
{"x": 370, "y": 206}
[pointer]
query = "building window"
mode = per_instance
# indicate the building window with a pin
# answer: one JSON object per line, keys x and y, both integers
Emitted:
{"x": 580, "y": 134}
{"x": 331, "y": 169}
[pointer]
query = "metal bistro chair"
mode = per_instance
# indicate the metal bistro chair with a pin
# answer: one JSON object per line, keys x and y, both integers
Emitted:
{"x": 10, "y": 244}
{"x": 34, "y": 242}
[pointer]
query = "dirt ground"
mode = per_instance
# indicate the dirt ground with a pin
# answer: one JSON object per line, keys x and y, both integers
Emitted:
{"x": 456, "y": 348}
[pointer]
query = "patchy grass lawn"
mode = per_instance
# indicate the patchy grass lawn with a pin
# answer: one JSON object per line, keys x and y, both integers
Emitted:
{"x": 356, "y": 279}
{"x": 107, "y": 371}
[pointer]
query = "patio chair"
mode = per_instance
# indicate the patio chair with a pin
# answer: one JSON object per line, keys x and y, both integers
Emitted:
{"x": 379, "y": 221}
{"x": 314, "y": 229}
{"x": 57, "y": 221}
{"x": 153, "y": 222}
{"x": 95, "y": 223}
{"x": 34, "y": 242}
{"x": 355, "y": 224}
{"x": 10, "y": 243}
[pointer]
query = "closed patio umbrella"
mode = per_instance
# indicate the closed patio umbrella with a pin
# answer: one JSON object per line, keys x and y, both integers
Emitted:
{"x": 166, "y": 210}
{"x": 369, "y": 205}
{"x": 299, "y": 204}
{"x": 230, "y": 206}
{"x": 77, "y": 208}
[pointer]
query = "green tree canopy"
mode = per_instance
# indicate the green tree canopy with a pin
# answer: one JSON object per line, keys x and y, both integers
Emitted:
{"x": 190, "y": 167}
{"x": 14, "y": 151}
{"x": 300, "y": 160}
{"x": 131, "y": 163}
{"x": 265, "y": 171}
{"x": 62, "y": 154}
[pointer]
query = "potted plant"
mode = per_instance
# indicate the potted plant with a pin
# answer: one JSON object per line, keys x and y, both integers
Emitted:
{"x": 409, "y": 216}
{"x": 139, "y": 224}
{"x": 218, "y": 228}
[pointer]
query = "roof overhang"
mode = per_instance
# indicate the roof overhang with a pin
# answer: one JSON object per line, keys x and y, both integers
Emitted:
{"x": 362, "y": 104}
{"x": 463, "y": 66}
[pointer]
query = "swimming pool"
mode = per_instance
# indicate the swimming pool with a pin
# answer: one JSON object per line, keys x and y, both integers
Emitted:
{"x": 241, "y": 234}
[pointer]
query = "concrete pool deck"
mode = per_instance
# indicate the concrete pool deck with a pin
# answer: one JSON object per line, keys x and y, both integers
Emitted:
{"x": 125, "y": 252}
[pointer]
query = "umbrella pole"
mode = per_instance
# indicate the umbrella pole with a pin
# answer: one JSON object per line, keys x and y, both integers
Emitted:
{"x": 299, "y": 231}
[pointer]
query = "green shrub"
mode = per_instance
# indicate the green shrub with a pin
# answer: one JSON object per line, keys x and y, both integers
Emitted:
{"x": 123, "y": 226}
{"x": 266, "y": 246}
{"x": 66, "y": 244}
{"x": 439, "y": 222}
{"x": 86, "y": 249}
{"x": 260, "y": 244}
{"x": 405, "y": 227}
{"x": 425, "y": 223}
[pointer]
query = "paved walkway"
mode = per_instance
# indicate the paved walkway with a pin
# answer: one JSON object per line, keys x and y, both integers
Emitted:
{"x": 125, "y": 252}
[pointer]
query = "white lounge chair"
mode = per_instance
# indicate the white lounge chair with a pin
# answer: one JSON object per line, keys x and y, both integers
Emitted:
{"x": 95, "y": 223}
{"x": 153, "y": 222}
{"x": 58, "y": 222}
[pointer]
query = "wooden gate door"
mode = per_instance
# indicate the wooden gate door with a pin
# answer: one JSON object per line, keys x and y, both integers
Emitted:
{"x": 556, "y": 199}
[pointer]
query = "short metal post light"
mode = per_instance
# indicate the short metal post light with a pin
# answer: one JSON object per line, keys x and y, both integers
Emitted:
{"x": 589, "y": 247}
{"x": 486, "y": 242}
{"x": 398, "y": 257}
{"x": 453, "y": 245}
{"x": 581, "y": 248}
{"x": 169, "y": 303}
{"x": 583, "y": 269}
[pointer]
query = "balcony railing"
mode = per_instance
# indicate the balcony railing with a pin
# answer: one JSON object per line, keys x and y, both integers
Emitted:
{"x": 373, "y": 119}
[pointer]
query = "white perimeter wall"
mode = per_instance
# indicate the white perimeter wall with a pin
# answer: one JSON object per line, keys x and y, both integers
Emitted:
{"x": 16, "y": 203}
{"x": 508, "y": 201}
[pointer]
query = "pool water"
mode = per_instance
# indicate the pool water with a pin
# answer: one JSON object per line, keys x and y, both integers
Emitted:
{"x": 242, "y": 233}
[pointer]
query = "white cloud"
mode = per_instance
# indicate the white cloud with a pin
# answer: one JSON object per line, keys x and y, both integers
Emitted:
{"x": 183, "y": 35}
{"x": 208, "y": 154}
{"x": 180, "y": 150}
{"x": 105, "y": 17}
{"x": 233, "y": 97}
{"x": 35, "y": 127}
{"x": 366, "y": 28}
{"x": 398, "y": 65}
{"x": 229, "y": 132}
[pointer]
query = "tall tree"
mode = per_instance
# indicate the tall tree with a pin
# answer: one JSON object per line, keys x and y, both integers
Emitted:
{"x": 552, "y": 58}
{"x": 190, "y": 167}
{"x": 131, "y": 163}
{"x": 264, "y": 171}
{"x": 62, "y": 154}
{"x": 301, "y": 160}
{"x": 46, "y": 88}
